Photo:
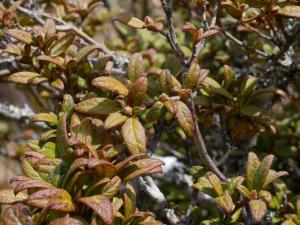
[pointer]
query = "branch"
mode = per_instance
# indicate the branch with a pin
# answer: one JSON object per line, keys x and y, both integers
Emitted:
{"x": 16, "y": 113}
{"x": 201, "y": 148}
{"x": 171, "y": 35}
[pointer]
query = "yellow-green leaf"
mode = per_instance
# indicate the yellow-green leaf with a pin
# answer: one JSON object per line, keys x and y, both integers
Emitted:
{"x": 258, "y": 209}
{"x": 114, "y": 120}
{"x": 134, "y": 136}
{"x": 110, "y": 84}
{"x": 97, "y": 106}
{"x": 60, "y": 46}
{"x": 130, "y": 21}
{"x": 26, "y": 78}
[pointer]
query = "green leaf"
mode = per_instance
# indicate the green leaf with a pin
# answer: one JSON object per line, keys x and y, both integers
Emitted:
{"x": 84, "y": 131}
{"x": 20, "y": 35}
{"x": 130, "y": 21}
{"x": 17, "y": 214}
{"x": 28, "y": 170}
{"x": 60, "y": 46}
{"x": 101, "y": 205}
{"x": 62, "y": 135}
{"x": 50, "y": 118}
{"x": 110, "y": 84}
{"x": 261, "y": 172}
{"x": 290, "y": 11}
{"x": 155, "y": 112}
{"x": 134, "y": 136}
{"x": 129, "y": 200}
{"x": 54, "y": 199}
{"x": 135, "y": 67}
{"x": 258, "y": 209}
{"x": 26, "y": 78}
{"x": 84, "y": 52}
{"x": 114, "y": 120}
{"x": 7, "y": 196}
{"x": 97, "y": 106}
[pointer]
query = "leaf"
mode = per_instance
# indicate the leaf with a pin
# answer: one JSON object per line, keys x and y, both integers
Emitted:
{"x": 84, "y": 131}
{"x": 142, "y": 167}
{"x": 155, "y": 112}
{"x": 273, "y": 175}
{"x": 28, "y": 170}
{"x": 134, "y": 136}
{"x": 17, "y": 214}
{"x": 130, "y": 21}
{"x": 290, "y": 11}
{"x": 258, "y": 209}
{"x": 48, "y": 59}
{"x": 7, "y": 196}
{"x": 49, "y": 28}
{"x": 24, "y": 183}
{"x": 261, "y": 172}
{"x": 104, "y": 168}
{"x": 195, "y": 76}
{"x": 26, "y": 78}
{"x": 135, "y": 67}
{"x": 110, "y": 84}
{"x": 111, "y": 188}
{"x": 205, "y": 186}
{"x": 114, "y": 120}
{"x": 138, "y": 91}
{"x": 97, "y": 106}
{"x": 129, "y": 200}
{"x": 101, "y": 205}
{"x": 225, "y": 202}
{"x": 54, "y": 199}
{"x": 62, "y": 135}
{"x": 50, "y": 118}
{"x": 232, "y": 10}
{"x": 66, "y": 221}
{"x": 20, "y": 35}
{"x": 215, "y": 182}
{"x": 84, "y": 52}
{"x": 188, "y": 27}
{"x": 58, "y": 84}
{"x": 60, "y": 46}
{"x": 252, "y": 164}
{"x": 184, "y": 117}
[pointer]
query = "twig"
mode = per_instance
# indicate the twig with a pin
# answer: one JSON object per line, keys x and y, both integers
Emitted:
{"x": 201, "y": 148}
{"x": 215, "y": 13}
{"x": 244, "y": 45}
{"x": 171, "y": 35}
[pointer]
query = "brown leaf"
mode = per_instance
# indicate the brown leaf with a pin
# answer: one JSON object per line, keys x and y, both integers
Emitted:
{"x": 130, "y": 21}
{"x": 48, "y": 59}
{"x": 195, "y": 76}
{"x": 110, "y": 84}
{"x": 252, "y": 164}
{"x": 24, "y": 183}
{"x": 97, "y": 106}
{"x": 18, "y": 214}
{"x": 135, "y": 67}
{"x": 60, "y": 46}
{"x": 258, "y": 209}
{"x": 20, "y": 35}
{"x": 138, "y": 91}
{"x": 188, "y": 27}
{"x": 134, "y": 136}
{"x": 26, "y": 78}
{"x": 101, "y": 205}
{"x": 184, "y": 117}
{"x": 103, "y": 167}
{"x": 111, "y": 188}
{"x": 56, "y": 199}
{"x": 225, "y": 202}
{"x": 129, "y": 200}
{"x": 142, "y": 167}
